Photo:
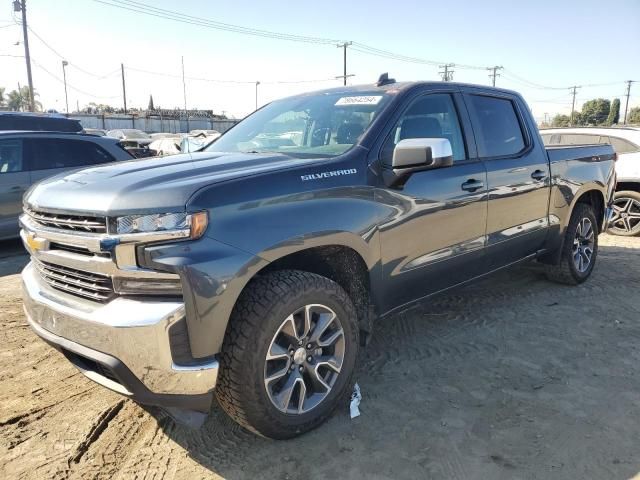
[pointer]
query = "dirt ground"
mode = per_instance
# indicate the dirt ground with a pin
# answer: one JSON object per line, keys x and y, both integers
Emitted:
{"x": 512, "y": 377}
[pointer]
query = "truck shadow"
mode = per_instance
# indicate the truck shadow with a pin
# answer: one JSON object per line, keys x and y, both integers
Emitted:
{"x": 13, "y": 257}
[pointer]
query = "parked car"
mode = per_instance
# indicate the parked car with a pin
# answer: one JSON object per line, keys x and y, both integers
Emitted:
{"x": 134, "y": 140}
{"x": 253, "y": 273}
{"x": 95, "y": 131}
{"x": 207, "y": 133}
{"x": 166, "y": 146}
{"x": 28, "y": 157}
{"x": 159, "y": 135}
{"x": 196, "y": 142}
{"x": 626, "y": 143}
{"x": 38, "y": 121}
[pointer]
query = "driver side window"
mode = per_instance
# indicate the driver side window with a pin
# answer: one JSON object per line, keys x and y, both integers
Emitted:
{"x": 430, "y": 116}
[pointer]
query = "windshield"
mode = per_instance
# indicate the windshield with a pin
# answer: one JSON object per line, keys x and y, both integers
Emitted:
{"x": 322, "y": 125}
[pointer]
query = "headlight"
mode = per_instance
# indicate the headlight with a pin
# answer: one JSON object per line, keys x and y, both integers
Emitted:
{"x": 193, "y": 223}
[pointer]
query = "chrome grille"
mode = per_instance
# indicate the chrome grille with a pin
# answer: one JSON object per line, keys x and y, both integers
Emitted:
{"x": 70, "y": 222}
{"x": 76, "y": 282}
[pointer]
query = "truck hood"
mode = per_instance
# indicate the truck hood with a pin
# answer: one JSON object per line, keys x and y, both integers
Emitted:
{"x": 152, "y": 185}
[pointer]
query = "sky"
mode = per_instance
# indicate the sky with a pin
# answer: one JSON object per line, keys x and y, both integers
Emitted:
{"x": 544, "y": 43}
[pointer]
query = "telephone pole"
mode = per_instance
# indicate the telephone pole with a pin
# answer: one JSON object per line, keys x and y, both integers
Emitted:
{"x": 626, "y": 107}
{"x": 21, "y": 6}
{"x": 124, "y": 89}
{"x": 257, "y": 83}
{"x": 64, "y": 76}
{"x": 184, "y": 93}
{"x": 573, "y": 103}
{"x": 447, "y": 72}
{"x": 344, "y": 62}
{"x": 493, "y": 75}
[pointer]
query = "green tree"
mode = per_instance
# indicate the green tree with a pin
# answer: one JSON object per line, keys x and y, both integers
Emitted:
{"x": 614, "y": 112}
{"x": 595, "y": 112}
{"x": 634, "y": 115}
{"x": 150, "y": 107}
{"x": 560, "y": 121}
{"x": 19, "y": 100}
{"x": 2, "y": 89}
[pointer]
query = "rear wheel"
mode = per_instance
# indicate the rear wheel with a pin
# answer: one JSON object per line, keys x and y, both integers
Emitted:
{"x": 579, "y": 250}
{"x": 626, "y": 214}
{"x": 289, "y": 353}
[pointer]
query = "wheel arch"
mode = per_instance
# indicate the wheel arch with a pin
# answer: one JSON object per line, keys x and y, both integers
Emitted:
{"x": 340, "y": 263}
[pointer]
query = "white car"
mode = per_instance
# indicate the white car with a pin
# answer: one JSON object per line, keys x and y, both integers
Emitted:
{"x": 626, "y": 143}
{"x": 166, "y": 146}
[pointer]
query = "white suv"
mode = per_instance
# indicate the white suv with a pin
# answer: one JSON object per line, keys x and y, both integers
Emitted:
{"x": 626, "y": 143}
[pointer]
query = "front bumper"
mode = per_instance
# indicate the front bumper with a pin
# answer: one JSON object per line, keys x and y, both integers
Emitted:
{"x": 123, "y": 344}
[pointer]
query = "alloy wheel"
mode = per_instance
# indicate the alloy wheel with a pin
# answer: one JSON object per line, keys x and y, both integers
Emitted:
{"x": 583, "y": 244}
{"x": 626, "y": 215}
{"x": 304, "y": 359}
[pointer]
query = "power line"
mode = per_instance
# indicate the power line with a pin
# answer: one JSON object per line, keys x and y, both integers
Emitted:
{"x": 150, "y": 10}
{"x": 110, "y": 74}
{"x": 53, "y": 75}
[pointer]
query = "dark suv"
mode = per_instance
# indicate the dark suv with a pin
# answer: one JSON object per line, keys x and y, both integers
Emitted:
{"x": 27, "y": 157}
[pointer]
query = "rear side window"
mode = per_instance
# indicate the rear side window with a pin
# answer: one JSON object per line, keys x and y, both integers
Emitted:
{"x": 47, "y": 153}
{"x": 497, "y": 126}
{"x": 11, "y": 156}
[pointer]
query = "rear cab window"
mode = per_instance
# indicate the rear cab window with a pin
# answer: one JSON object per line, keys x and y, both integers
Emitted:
{"x": 497, "y": 125}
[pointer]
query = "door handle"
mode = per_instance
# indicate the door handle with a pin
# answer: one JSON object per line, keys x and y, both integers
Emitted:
{"x": 472, "y": 185}
{"x": 539, "y": 175}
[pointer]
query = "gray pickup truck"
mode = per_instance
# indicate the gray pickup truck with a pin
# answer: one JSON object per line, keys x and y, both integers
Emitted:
{"x": 254, "y": 270}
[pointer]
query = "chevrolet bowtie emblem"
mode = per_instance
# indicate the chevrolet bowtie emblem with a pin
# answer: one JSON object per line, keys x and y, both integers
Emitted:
{"x": 36, "y": 243}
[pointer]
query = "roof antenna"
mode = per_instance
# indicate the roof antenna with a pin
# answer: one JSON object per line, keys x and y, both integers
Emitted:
{"x": 385, "y": 80}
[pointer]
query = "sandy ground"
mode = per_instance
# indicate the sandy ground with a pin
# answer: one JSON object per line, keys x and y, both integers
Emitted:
{"x": 512, "y": 377}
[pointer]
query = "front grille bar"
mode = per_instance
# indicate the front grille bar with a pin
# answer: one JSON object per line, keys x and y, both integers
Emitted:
{"x": 69, "y": 222}
{"x": 79, "y": 283}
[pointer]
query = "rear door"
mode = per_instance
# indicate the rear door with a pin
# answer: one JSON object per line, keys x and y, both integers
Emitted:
{"x": 14, "y": 181}
{"x": 434, "y": 236}
{"x": 50, "y": 156}
{"x": 517, "y": 174}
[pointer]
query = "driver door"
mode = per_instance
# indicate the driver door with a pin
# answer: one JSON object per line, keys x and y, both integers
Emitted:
{"x": 434, "y": 234}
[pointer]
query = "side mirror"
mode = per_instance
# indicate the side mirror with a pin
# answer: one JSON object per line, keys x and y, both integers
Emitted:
{"x": 415, "y": 155}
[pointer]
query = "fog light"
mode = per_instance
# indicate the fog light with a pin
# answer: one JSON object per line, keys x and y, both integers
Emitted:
{"x": 137, "y": 286}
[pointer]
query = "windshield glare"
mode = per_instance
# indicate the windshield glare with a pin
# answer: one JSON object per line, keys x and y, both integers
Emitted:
{"x": 323, "y": 125}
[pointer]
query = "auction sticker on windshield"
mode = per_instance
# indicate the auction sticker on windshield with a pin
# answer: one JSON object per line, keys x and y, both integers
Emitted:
{"x": 360, "y": 100}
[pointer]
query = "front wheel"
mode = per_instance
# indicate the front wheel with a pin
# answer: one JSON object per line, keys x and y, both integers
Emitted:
{"x": 579, "y": 250}
{"x": 626, "y": 214}
{"x": 289, "y": 353}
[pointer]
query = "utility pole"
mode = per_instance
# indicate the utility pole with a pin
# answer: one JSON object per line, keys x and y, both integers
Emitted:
{"x": 124, "y": 89}
{"x": 64, "y": 76}
{"x": 447, "y": 72}
{"x": 21, "y": 6}
{"x": 493, "y": 75}
{"x": 257, "y": 83}
{"x": 573, "y": 103}
{"x": 184, "y": 92}
{"x": 626, "y": 107}
{"x": 344, "y": 62}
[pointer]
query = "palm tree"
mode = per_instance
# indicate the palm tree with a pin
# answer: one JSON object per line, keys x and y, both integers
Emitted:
{"x": 19, "y": 100}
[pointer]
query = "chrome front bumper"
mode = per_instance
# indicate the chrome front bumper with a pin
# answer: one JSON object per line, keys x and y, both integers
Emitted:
{"x": 133, "y": 331}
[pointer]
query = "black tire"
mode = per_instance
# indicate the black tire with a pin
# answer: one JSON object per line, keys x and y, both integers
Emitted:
{"x": 256, "y": 320}
{"x": 566, "y": 271}
{"x": 626, "y": 214}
